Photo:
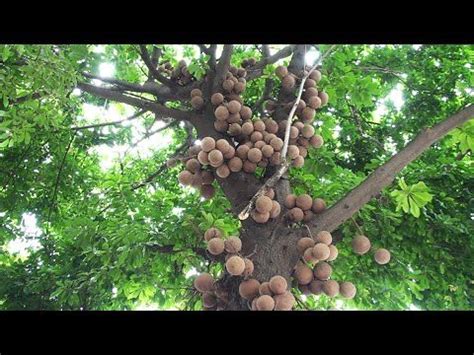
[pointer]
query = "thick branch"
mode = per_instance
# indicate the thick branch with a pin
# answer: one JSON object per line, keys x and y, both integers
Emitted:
{"x": 160, "y": 110}
{"x": 257, "y": 70}
{"x": 223, "y": 65}
{"x": 113, "y": 123}
{"x": 152, "y": 68}
{"x": 384, "y": 175}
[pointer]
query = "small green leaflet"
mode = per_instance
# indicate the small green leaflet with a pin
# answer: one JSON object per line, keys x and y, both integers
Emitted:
{"x": 411, "y": 198}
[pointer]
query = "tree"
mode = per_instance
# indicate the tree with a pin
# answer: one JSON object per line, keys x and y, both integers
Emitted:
{"x": 119, "y": 229}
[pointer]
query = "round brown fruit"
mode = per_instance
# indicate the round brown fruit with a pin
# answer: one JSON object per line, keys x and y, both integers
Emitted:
{"x": 271, "y": 126}
{"x": 228, "y": 85}
{"x": 347, "y": 289}
{"x": 221, "y": 113}
{"x": 246, "y": 113}
{"x": 230, "y": 153}
{"x": 333, "y": 253}
{"x": 303, "y": 274}
{"x": 290, "y": 201}
{"x": 235, "y": 129}
{"x": 316, "y": 141}
{"x": 234, "y": 118}
{"x": 222, "y": 145}
{"x": 314, "y": 102}
{"x": 265, "y": 303}
{"x": 307, "y": 131}
{"x": 318, "y": 205}
{"x": 208, "y": 144}
{"x": 322, "y": 271}
{"x": 361, "y": 244}
{"x": 204, "y": 283}
{"x": 207, "y": 191}
{"x": 259, "y": 145}
{"x": 234, "y": 106}
{"x": 275, "y": 159}
{"x": 284, "y": 302}
{"x": 247, "y": 128}
{"x": 193, "y": 165}
{"x": 276, "y": 209}
{"x": 242, "y": 151}
{"x": 309, "y": 257}
{"x": 212, "y": 233}
{"x": 221, "y": 126}
{"x": 235, "y": 265}
{"x": 223, "y": 171}
{"x": 331, "y": 288}
{"x": 215, "y": 157}
{"x": 203, "y": 157}
{"x": 239, "y": 87}
{"x": 323, "y": 237}
{"x": 321, "y": 251}
{"x": 185, "y": 177}
{"x": 382, "y": 256}
{"x": 209, "y": 299}
{"x": 235, "y": 164}
{"x": 254, "y": 155}
{"x": 259, "y": 125}
{"x": 270, "y": 193}
{"x": 308, "y": 114}
{"x": 316, "y": 287}
{"x": 298, "y": 162}
{"x": 281, "y": 71}
{"x": 324, "y": 98}
{"x": 256, "y": 136}
{"x": 278, "y": 285}
{"x": 265, "y": 289}
{"x": 294, "y": 132}
{"x": 303, "y": 244}
{"x": 197, "y": 102}
{"x": 296, "y": 214}
{"x": 310, "y": 92}
{"x": 263, "y": 204}
{"x": 260, "y": 217}
{"x": 288, "y": 82}
{"x": 217, "y": 98}
{"x": 277, "y": 144}
{"x": 249, "y": 289}
{"x": 249, "y": 167}
{"x": 309, "y": 83}
{"x": 304, "y": 202}
{"x": 315, "y": 75}
{"x": 215, "y": 246}
{"x": 270, "y": 105}
{"x": 233, "y": 245}
{"x": 249, "y": 267}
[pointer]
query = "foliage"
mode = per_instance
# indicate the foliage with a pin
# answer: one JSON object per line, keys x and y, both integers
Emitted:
{"x": 100, "y": 239}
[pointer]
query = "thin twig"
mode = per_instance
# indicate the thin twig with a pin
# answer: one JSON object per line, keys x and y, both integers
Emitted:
{"x": 357, "y": 226}
{"x": 297, "y": 101}
{"x": 135, "y": 115}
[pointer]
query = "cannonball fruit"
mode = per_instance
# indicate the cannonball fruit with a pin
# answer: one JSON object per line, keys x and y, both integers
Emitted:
{"x": 265, "y": 303}
{"x": 304, "y": 202}
{"x": 322, "y": 271}
{"x": 331, "y": 288}
{"x": 235, "y": 265}
{"x": 233, "y": 245}
{"x": 249, "y": 289}
{"x": 303, "y": 274}
{"x": 318, "y": 205}
{"x": 323, "y": 237}
{"x": 303, "y": 244}
{"x": 215, "y": 246}
{"x": 204, "y": 283}
{"x": 284, "y": 302}
{"x": 361, "y": 244}
{"x": 333, "y": 252}
{"x": 347, "y": 289}
{"x": 382, "y": 256}
{"x": 263, "y": 204}
{"x": 321, "y": 251}
{"x": 212, "y": 233}
{"x": 278, "y": 285}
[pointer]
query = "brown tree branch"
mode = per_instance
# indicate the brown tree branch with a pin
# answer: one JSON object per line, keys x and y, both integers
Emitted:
{"x": 223, "y": 65}
{"x": 256, "y": 70}
{"x": 113, "y": 123}
{"x": 385, "y": 174}
{"x": 122, "y": 84}
{"x": 152, "y": 68}
{"x": 160, "y": 110}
